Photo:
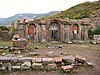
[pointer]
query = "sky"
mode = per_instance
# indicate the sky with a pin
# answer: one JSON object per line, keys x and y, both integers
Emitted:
{"x": 11, "y": 7}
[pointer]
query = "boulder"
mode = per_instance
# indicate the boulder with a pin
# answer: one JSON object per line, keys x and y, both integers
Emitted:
{"x": 26, "y": 65}
{"x": 17, "y": 52}
{"x": 58, "y": 60}
{"x": 36, "y": 60}
{"x": 94, "y": 42}
{"x": 16, "y": 67}
{"x": 25, "y": 59}
{"x": 90, "y": 64}
{"x": 67, "y": 68}
{"x": 8, "y": 66}
{"x": 46, "y": 61}
{"x": 4, "y": 59}
{"x": 69, "y": 42}
{"x": 68, "y": 59}
{"x": 14, "y": 60}
{"x": 80, "y": 59}
{"x": 50, "y": 67}
{"x": 37, "y": 66}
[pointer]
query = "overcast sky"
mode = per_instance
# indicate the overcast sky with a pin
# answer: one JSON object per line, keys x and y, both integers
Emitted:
{"x": 12, "y": 7}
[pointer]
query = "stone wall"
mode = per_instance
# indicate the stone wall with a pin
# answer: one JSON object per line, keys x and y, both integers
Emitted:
{"x": 43, "y": 34}
{"x": 5, "y": 36}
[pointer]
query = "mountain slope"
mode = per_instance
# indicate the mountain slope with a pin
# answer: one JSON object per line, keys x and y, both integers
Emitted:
{"x": 83, "y": 10}
{"x": 7, "y": 21}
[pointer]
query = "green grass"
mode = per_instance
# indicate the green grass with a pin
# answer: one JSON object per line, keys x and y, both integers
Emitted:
{"x": 6, "y": 43}
{"x": 82, "y": 10}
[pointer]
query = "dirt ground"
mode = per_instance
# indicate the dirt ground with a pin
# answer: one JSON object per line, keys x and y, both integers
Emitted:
{"x": 89, "y": 51}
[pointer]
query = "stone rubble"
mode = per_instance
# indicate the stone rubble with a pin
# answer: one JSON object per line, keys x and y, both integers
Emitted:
{"x": 67, "y": 63}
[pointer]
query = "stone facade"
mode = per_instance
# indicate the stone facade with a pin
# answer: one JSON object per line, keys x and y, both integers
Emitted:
{"x": 53, "y": 30}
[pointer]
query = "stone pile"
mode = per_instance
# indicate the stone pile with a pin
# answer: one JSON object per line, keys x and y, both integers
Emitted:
{"x": 66, "y": 63}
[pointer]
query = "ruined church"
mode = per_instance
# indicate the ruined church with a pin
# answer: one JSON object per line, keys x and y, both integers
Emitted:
{"x": 56, "y": 29}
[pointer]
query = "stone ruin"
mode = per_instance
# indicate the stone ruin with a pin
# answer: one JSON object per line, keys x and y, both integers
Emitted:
{"x": 65, "y": 63}
{"x": 53, "y": 30}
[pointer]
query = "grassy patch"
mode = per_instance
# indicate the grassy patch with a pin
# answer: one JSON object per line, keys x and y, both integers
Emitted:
{"x": 6, "y": 43}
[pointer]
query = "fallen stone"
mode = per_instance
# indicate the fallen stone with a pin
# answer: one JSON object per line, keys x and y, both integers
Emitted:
{"x": 68, "y": 59}
{"x": 26, "y": 65}
{"x": 90, "y": 64}
{"x": 67, "y": 68}
{"x": 36, "y": 60}
{"x": 50, "y": 67}
{"x": 3, "y": 68}
{"x": 80, "y": 59}
{"x": 4, "y": 59}
{"x": 14, "y": 60}
{"x": 16, "y": 67}
{"x": 3, "y": 54}
{"x": 46, "y": 61}
{"x": 25, "y": 59}
{"x": 8, "y": 66}
{"x": 98, "y": 42}
{"x": 1, "y": 47}
{"x": 17, "y": 52}
{"x": 94, "y": 42}
{"x": 37, "y": 66}
{"x": 58, "y": 60}
{"x": 34, "y": 53}
{"x": 69, "y": 42}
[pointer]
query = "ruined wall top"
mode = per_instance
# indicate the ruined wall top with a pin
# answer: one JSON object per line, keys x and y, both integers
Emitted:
{"x": 45, "y": 22}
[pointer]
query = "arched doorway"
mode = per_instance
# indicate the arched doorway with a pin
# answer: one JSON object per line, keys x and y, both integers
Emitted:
{"x": 31, "y": 32}
{"x": 54, "y": 31}
{"x": 75, "y": 31}
{"x": 31, "y": 29}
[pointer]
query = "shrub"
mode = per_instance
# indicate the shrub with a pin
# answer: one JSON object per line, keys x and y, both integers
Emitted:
{"x": 96, "y": 31}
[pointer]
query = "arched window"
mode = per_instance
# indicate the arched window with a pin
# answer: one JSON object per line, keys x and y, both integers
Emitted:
{"x": 75, "y": 29}
{"x": 31, "y": 29}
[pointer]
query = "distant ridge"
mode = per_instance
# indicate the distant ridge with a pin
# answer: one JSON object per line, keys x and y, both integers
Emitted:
{"x": 9, "y": 20}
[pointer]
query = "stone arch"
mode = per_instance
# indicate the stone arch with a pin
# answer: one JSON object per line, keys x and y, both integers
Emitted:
{"x": 31, "y": 29}
{"x": 31, "y": 32}
{"x": 53, "y": 32}
{"x": 75, "y": 31}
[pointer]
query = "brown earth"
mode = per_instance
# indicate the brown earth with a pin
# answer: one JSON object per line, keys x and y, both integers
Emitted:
{"x": 89, "y": 51}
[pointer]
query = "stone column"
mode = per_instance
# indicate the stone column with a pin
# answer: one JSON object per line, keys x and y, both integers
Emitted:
{"x": 86, "y": 32}
{"x": 67, "y": 32}
{"x": 36, "y": 35}
{"x": 79, "y": 35}
{"x": 43, "y": 33}
{"x": 70, "y": 32}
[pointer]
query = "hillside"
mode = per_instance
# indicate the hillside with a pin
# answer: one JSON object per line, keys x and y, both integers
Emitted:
{"x": 9, "y": 20}
{"x": 83, "y": 10}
